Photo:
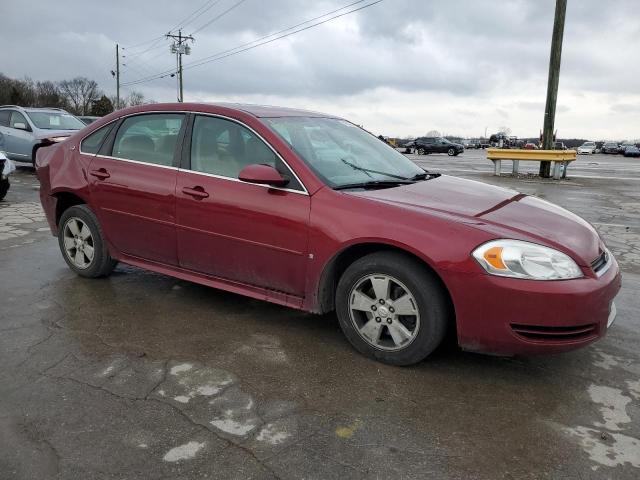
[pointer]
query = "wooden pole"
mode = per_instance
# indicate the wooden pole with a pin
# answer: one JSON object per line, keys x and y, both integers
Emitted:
{"x": 552, "y": 84}
{"x": 117, "y": 77}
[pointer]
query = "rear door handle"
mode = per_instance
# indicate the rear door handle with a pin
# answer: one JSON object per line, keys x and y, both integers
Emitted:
{"x": 196, "y": 192}
{"x": 100, "y": 174}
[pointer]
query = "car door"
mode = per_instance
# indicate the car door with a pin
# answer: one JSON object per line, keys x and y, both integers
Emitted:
{"x": 18, "y": 138}
{"x": 243, "y": 232}
{"x": 132, "y": 184}
{"x": 428, "y": 143}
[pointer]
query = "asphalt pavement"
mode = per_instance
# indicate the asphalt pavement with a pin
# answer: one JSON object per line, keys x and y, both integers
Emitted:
{"x": 145, "y": 376}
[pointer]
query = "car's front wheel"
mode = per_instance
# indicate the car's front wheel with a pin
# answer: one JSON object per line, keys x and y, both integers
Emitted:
{"x": 451, "y": 152}
{"x": 421, "y": 151}
{"x": 391, "y": 308}
{"x": 82, "y": 243}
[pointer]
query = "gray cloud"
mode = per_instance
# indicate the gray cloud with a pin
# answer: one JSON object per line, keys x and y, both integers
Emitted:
{"x": 486, "y": 57}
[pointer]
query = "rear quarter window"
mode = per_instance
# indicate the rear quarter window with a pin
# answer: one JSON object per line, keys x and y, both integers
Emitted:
{"x": 92, "y": 143}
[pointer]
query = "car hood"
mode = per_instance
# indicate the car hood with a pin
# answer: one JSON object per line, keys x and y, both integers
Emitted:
{"x": 500, "y": 211}
{"x": 55, "y": 133}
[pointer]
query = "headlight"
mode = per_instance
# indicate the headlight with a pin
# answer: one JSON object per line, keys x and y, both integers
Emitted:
{"x": 518, "y": 259}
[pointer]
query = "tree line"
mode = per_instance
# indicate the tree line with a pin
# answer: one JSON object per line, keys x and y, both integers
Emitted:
{"x": 79, "y": 95}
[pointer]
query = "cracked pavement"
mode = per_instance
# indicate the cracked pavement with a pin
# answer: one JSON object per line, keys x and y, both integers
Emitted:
{"x": 145, "y": 376}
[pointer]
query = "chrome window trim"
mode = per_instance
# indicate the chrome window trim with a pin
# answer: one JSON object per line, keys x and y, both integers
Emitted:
{"x": 300, "y": 192}
{"x": 138, "y": 162}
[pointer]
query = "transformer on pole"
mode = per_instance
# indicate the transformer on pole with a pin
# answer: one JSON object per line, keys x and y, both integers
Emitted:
{"x": 180, "y": 47}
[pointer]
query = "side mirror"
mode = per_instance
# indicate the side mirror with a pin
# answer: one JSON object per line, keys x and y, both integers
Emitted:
{"x": 263, "y": 175}
{"x": 20, "y": 126}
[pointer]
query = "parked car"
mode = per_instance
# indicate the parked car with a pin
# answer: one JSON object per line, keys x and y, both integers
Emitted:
{"x": 87, "y": 119}
{"x": 610, "y": 147}
{"x": 587, "y": 148}
{"x": 427, "y": 145}
{"x": 409, "y": 146}
{"x": 24, "y": 130}
{"x": 624, "y": 145}
{"x": 6, "y": 167}
{"x": 314, "y": 213}
{"x": 530, "y": 146}
{"x": 632, "y": 151}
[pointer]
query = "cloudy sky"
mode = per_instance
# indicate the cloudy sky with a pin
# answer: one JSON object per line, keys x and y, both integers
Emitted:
{"x": 400, "y": 67}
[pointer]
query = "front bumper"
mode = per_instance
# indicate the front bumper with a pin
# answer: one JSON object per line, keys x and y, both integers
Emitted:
{"x": 526, "y": 317}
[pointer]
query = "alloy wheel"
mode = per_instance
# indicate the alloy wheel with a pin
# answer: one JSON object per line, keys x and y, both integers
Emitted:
{"x": 78, "y": 243}
{"x": 384, "y": 312}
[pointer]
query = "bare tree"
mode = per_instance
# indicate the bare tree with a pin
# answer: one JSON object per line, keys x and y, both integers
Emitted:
{"x": 433, "y": 133}
{"x": 80, "y": 93}
{"x": 135, "y": 98}
{"x": 48, "y": 95}
{"x": 506, "y": 131}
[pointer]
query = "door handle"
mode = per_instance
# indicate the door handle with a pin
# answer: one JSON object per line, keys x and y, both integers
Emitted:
{"x": 100, "y": 174}
{"x": 196, "y": 192}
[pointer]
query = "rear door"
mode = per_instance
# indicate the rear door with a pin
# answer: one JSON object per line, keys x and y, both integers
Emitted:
{"x": 18, "y": 141}
{"x": 132, "y": 183}
{"x": 234, "y": 230}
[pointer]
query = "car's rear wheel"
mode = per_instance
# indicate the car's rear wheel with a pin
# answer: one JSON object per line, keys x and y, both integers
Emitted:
{"x": 391, "y": 308}
{"x": 421, "y": 151}
{"x": 82, "y": 243}
{"x": 451, "y": 152}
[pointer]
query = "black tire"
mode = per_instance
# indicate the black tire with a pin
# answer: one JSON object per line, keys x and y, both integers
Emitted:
{"x": 4, "y": 187}
{"x": 451, "y": 152}
{"x": 427, "y": 290}
{"x": 101, "y": 265}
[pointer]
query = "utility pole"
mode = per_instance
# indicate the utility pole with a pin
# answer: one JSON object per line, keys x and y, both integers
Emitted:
{"x": 180, "y": 47}
{"x": 117, "y": 76}
{"x": 552, "y": 85}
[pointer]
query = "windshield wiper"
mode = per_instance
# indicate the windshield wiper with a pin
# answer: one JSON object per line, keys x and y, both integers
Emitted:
{"x": 373, "y": 184}
{"x": 424, "y": 176}
{"x": 368, "y": 170}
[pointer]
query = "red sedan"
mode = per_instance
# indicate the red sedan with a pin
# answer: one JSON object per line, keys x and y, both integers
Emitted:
{"x": 310, "y": 211}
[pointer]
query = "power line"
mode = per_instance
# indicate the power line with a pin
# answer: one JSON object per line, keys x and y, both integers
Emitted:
{"x": 188, "y": 19}
{"x": 282, "y": 31}
{"x": 217, "y": 17}
{"x": 250, "y": 45}
{"x": 185, "y": 21}
{"x": 132, "y": 47}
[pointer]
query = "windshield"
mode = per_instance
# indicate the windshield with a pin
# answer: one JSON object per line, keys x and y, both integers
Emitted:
{"x": 341, "y": 153}
{"x": 55, "y": 121}
{"x": 588, "y": 144}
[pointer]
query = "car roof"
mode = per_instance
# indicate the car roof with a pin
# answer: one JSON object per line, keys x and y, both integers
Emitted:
{"x": 271, "y": 110}
{"x": 259, "y": 111}
{"x": 34, "y": 109}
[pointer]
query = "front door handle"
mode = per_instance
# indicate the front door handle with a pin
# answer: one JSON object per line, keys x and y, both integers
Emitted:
{"x": 196, "y": 192}
{"x": 100, "y": 174}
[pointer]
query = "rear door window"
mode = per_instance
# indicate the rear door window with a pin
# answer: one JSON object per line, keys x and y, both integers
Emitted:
{"x": 4, "y": 118}
{"x": 149, "y": 138}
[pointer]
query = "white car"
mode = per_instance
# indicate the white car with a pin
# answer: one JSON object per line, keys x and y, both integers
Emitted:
{"x": 587, "y": 148}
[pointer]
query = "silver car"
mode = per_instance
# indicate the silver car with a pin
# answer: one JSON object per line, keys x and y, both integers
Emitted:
{"x": 24, "y": 130}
